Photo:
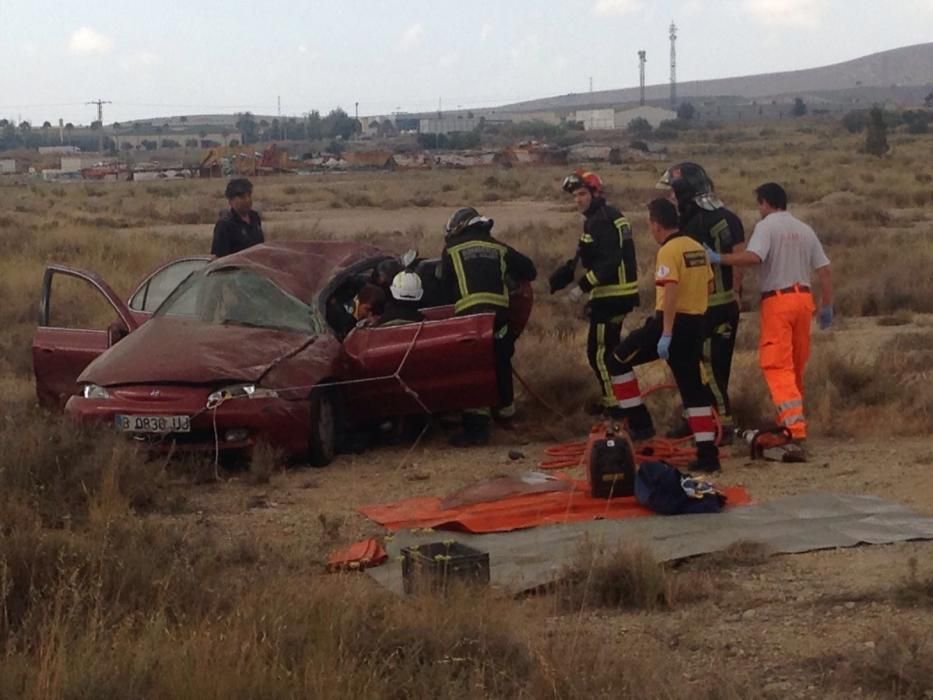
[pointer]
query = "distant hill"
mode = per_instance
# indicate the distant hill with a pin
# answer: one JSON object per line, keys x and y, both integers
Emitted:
{"x": 907, "y": 67}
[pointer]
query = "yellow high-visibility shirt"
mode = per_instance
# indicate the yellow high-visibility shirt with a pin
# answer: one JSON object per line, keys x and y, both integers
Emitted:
{"x": 682, "y": 260}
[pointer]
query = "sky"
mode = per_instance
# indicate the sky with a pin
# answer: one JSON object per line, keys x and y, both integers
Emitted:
{"x": 203, "y": 56}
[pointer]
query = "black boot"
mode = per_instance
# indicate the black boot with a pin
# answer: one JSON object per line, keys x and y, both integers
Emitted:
{"x": 475, "y": 431}
{"x": 707, "y": 460}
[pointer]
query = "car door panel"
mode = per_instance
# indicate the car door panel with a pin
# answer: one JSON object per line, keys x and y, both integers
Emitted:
{"x": 437, "y": 366}
{"x": 60, "y": 354}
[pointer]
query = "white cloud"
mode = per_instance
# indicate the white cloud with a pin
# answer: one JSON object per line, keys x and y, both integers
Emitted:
{"x": 89, "y": 41}
{"x": 411, "y": 36}
{"x": 448, "y": 60}
{"x": 616, "y": 7}
{"x": 302, "y": 48}
{"x": 485, "y": 32}
{"x": 801, "y": 13}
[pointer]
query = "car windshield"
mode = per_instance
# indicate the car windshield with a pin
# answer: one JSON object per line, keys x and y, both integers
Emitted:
{"x": 241, "y": 297}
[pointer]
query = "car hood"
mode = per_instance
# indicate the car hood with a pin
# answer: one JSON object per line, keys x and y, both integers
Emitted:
{"x": 174, "y": 350}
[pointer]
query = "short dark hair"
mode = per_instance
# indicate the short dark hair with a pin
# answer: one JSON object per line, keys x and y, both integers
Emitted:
{"x": 663, "y": 213}
{"x": 773, "y": 194}
{"x": 373, "y": 295}
{"x": 238, "y": 186}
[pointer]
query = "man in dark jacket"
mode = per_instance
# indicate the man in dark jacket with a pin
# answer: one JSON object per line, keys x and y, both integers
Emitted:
{"x": 239, "y": 227}
{"x": 705, "y": 218}
{"x": 477, "y": 270}
{"x": 607, "y": 252}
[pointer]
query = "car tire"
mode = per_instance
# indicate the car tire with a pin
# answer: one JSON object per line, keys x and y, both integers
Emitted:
{"x": 322, "y": 434}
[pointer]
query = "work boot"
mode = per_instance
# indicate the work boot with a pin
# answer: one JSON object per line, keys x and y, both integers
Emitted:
{"x": 707, "y": 460}
{"x": 795, "y": 451}
{"x": 475, "y": 431}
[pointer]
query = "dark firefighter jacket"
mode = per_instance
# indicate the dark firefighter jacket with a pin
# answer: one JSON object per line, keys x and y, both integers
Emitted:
{"x": 475, "y": 268}
{"x": 721, "y": 230}
{"x": 607, "y": 252}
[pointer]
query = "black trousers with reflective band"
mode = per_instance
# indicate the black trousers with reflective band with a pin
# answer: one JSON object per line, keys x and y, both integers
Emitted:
{"x": 722, "y": 326}
{"x": 600, "y": 342}
{"x": 686, "y": 354}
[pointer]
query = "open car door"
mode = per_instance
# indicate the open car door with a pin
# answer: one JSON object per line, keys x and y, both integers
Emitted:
{"x": 435, "y": 366}
{"x": 61, "y": 352}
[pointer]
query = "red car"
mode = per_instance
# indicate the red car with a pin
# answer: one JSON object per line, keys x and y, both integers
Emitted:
{"x": 219, "y": 354}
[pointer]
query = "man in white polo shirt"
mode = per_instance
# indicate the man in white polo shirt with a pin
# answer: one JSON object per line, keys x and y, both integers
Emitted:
{"x": 787, "y": 250}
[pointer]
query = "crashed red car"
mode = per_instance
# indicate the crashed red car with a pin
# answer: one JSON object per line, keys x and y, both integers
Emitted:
{"x": 218, "y": 355}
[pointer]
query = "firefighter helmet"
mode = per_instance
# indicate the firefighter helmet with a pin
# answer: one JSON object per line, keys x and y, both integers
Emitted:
{"x": 407, "y": 287}
{"x": 465, "y": 218}
{"x": 690, "y": 183}
{"x": 582, "y": 178}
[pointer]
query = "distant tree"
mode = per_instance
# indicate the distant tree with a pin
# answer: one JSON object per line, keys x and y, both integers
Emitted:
{"x": 876, "y": 139}
{"x": 149, "y": 145}
{"x": 170, "y": 143}
{"x": 800, "y": 107}
{"x": 234, "y": 142}
{"x": 928, "y": 100}
{"x": 69, "y": 126}
{"x": 3, "y": 123}
{"x": 183, "y": 120}
{"x": 918, "y": 122}
{"x": 25, "y": 127}
{"x": 247, "y": 126}
{"x": 126, "y": 146}
{"x": 95, "y": 124}
{"x": 855, "y": 121}
{"x": 117, "y": 125}
{"x": 339, "y": 123}
{"x": 46, "y": 125}
{"x": 191, "y": 143}
{"x": 202, "y": 133}
{"x": 639, "y": 127}
{"x": 686, "y": 111}
{"x": 314, "y": 125}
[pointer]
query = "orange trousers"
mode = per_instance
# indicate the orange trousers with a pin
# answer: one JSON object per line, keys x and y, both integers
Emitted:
{"x": 783, "y": 351}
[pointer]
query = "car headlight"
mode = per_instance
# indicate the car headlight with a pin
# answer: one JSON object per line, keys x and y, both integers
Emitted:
{"x": 240, "y": 391}
{"x": 92, "y": 391}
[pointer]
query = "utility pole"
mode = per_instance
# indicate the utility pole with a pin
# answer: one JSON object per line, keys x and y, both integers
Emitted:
{"x": 673, "y": 65}
{"x": 591, "y": 83}
{"x": 100, "y": 121}
{"x": 642, "y": 57}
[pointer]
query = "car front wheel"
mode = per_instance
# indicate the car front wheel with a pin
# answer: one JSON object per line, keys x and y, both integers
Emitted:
{"x": 322, "y": 440}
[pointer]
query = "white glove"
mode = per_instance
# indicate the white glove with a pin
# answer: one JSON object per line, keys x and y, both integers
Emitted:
{"x": 575, "y": 294}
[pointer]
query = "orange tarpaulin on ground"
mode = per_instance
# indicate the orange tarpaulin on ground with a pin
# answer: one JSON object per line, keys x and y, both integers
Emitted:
{"x": 518, "y": 511}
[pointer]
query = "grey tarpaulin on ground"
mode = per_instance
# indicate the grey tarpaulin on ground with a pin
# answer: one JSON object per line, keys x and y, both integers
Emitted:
{"x": 526, "y": 559}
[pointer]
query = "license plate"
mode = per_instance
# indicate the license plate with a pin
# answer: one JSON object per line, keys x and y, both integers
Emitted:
{"x": 153, "y": 424}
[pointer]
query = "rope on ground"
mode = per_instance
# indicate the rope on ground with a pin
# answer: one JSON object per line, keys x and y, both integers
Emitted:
{"x": 678, "y": 452}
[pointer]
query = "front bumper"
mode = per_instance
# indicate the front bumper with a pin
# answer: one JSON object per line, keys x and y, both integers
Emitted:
{"x": 236, "y": 424}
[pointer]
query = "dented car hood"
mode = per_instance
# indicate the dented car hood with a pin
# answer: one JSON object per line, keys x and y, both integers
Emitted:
{"x": 177, "y": 350}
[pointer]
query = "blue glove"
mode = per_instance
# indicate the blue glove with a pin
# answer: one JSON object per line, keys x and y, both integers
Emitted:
{"x": 664, "y": 347}
{"x": 713, "y": 257}
{"x": 826, "y": 317}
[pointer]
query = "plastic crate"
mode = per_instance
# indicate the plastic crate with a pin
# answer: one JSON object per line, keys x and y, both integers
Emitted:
{"x": 437, "y": 565}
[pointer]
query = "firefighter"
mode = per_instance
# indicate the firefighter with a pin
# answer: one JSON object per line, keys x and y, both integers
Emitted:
{"x": 674, "y": 334}
{"x": 704, "y": 218}
{"x": 787, "y": 250}
{"x": 606, "y": 252}
{"x": 477, "y": 269}
{"x": 240, "y": 226}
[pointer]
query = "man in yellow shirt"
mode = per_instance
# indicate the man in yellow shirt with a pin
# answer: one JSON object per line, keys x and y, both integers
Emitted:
{"x": 675, "y": 334}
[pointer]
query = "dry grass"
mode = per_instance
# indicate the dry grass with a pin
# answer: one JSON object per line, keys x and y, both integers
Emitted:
{"x": 103, "y": 594}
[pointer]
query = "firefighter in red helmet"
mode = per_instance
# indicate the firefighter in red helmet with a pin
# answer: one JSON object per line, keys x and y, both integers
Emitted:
{"x": 606, "y": 252}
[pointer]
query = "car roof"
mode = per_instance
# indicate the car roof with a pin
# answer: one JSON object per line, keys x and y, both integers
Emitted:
{"x": 302, "y": 268}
